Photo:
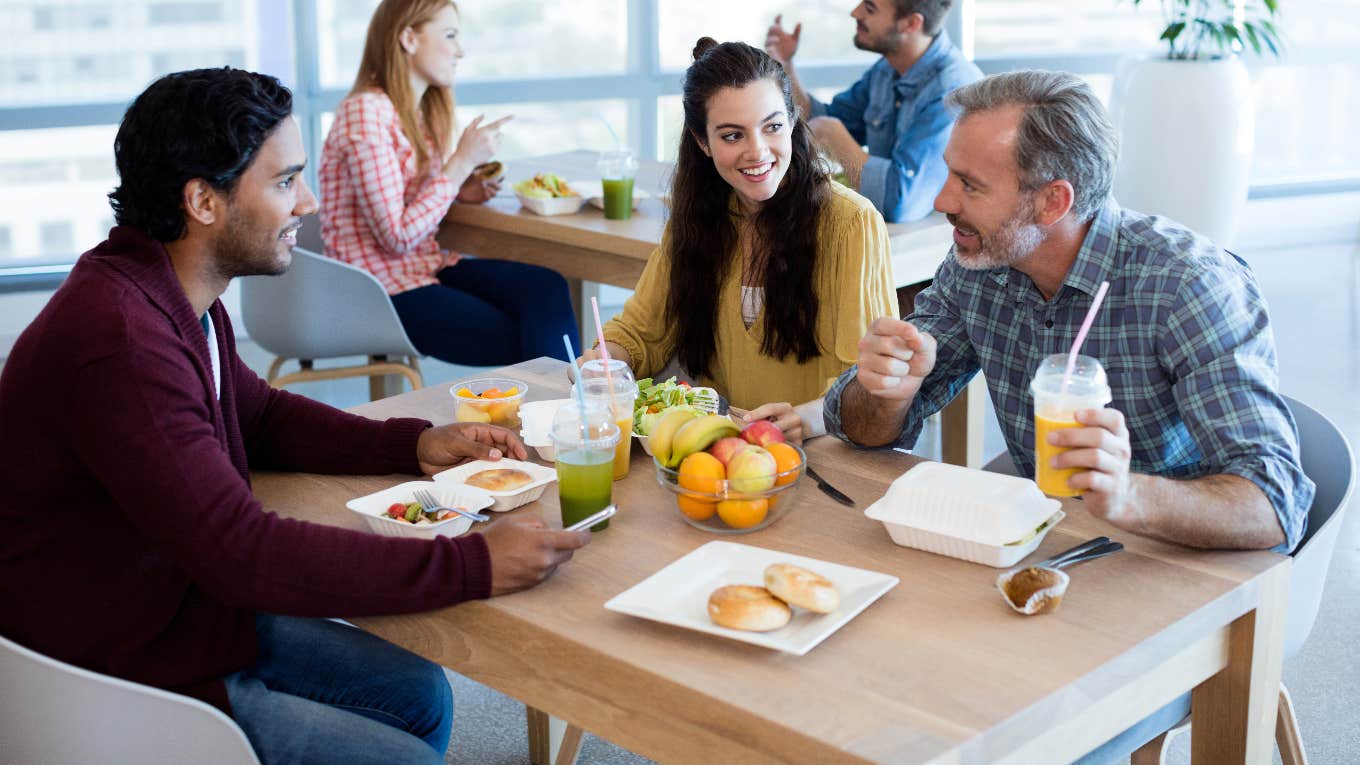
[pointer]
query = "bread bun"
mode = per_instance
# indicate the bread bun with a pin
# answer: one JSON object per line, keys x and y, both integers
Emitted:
{"x": 488, "y": 171}
{"x": 797, "y": 586}
{"x": 746, "y": 607}
{"x": 500, "y": 479}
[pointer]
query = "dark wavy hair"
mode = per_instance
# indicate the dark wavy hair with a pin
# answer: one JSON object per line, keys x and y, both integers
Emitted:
{"x": 703, "y": 233}
{"x": 205, "y": 123}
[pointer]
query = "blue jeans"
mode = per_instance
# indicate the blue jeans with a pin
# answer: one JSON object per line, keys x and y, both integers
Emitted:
{"x": 1140, "y": 733}
{"x": 489, "y": 313}
{"x": 325, "y": 692}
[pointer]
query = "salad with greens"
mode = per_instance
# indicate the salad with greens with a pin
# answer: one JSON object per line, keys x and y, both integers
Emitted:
{"x": 656, "y": 397}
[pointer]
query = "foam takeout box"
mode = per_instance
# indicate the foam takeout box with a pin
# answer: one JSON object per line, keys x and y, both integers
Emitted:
{"x": 503, "y": 500}
{"x": 983, "y": 517}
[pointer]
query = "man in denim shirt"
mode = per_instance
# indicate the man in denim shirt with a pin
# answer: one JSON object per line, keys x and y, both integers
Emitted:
{"x": 1197, "y": 447}
{"x": 896, "y": 109}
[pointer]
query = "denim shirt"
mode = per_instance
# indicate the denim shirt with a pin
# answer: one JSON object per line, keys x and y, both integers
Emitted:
{"x": 1184, "y": 337}
{"x": 904, "y": 123}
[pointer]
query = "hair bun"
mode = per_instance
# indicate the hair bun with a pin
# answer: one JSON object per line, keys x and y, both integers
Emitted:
{"x": 704, "y": 45}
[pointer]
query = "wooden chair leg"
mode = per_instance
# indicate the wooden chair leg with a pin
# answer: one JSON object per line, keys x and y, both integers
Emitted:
{"x": 571, "y": 746}
{"x": 274, "y": 369}
{"x": 539, "y": 743}
{"x": 1153, "y": 752}
{"x": 377, "y": 384}
{"x": 1287, "y": 731}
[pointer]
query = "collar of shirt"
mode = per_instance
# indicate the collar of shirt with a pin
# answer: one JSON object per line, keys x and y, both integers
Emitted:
{"x": 1096, "y": 261}
{"x": 926, "y": 67}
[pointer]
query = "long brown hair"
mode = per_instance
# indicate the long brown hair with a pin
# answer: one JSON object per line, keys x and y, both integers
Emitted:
{"x": 703, "y": 234}
{"x": 384, "y": 66}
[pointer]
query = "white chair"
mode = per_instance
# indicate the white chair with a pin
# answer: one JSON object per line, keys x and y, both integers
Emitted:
{"x": 323, "y": 308}
{"x": 1327, "y": 459}
{"x": 52, "y": 712}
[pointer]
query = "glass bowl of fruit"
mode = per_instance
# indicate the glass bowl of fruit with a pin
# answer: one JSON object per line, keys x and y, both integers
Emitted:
{"x": 493, "y": 400}
{"x": 727, "y": 480}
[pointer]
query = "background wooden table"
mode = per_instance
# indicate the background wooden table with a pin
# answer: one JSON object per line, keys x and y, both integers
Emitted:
{"x": 938, "y": 670}
{"x": 588, "y": 249}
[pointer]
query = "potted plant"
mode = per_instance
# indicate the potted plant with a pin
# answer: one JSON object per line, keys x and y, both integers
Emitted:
{"x": 1187, "y": 119}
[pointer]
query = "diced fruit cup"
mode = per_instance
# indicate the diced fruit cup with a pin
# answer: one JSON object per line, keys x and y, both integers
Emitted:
{"x": 493, "y": 400}
{"x": 725, "y": 510}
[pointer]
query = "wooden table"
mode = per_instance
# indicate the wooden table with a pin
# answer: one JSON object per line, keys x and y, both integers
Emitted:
{"x": 588, "y": 249}
{"x": 939, "y": 670}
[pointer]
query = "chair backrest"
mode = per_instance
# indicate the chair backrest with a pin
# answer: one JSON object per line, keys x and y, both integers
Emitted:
{"x": 52, "y": 712}
{"x": 322, "y": 308}
{"x": 1327, "y": 459}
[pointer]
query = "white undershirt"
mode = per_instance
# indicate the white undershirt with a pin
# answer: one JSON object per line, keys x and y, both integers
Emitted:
{"x": 752, "y": 300}
{"x": 212, "y": 355}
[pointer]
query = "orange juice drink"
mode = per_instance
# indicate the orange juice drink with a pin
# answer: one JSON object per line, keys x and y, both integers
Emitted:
{"x": 1055, "y": 408}
{"x": 613, "y": 387}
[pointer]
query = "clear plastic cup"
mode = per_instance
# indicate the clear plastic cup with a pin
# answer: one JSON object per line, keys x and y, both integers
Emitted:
{"x": 585, "y": 460}
{"x": 617, "y": 171}
{"x": 1055, "y": 409}
{"x": 617, "y": 391}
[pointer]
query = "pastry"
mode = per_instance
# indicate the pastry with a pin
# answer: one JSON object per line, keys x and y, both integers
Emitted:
{"x": 499, "y": 479}
{"x": 797, "y": 586}
{"x": 746, "y": 607}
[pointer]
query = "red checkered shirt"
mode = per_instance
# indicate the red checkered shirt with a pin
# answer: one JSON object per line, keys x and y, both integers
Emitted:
{"x": 378, "y": 211}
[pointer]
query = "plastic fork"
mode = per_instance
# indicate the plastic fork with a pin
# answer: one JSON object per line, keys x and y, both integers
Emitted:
{"x": 427, "y": 499}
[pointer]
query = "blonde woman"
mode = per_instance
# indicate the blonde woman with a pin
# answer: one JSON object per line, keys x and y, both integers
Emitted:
{"x": 390, "y": 170}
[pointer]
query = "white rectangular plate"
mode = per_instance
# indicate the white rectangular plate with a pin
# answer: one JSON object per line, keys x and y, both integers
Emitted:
{"x": 678, "y": 594}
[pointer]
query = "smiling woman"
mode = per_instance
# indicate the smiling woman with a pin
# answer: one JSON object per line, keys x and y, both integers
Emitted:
{"x": 768, "y": 272}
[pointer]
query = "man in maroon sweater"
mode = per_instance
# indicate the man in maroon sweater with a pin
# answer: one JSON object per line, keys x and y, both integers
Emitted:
{"x": 130, "y": 542}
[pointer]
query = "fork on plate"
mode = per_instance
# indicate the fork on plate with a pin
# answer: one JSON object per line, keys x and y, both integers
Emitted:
{"x": 427, "y": 500}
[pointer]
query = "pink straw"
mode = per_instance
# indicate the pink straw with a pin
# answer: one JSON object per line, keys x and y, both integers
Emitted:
{"x": 1081, "y": 334}
{"x": 604, "y": 349}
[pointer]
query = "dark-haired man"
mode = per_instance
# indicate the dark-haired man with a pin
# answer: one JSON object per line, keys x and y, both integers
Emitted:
{"x": 126, "y": 401}
{"x": 896, "y": 109}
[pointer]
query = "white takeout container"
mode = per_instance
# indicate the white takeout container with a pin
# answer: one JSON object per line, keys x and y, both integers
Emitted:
{"x": 552, "y": 205}
{"x": 373, "y": 507}
{"x": 502, "y": 500}
{"x": 535, "y": 420}
{"x": 963, "y": 513}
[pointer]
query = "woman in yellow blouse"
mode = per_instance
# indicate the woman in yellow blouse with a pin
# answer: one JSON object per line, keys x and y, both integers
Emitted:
{"x": 768, "y": 273}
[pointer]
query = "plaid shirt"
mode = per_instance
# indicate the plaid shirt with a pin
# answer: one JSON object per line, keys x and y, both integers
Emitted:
{"x": 377, "y": 211}
{"x": 1183, "y": 334}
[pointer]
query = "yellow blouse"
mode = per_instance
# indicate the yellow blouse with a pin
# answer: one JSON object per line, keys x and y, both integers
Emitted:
{"x": 853, "y": 282}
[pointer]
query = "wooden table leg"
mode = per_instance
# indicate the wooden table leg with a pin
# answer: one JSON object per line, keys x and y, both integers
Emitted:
{"x": 962, "y": 423}
{"x": 551, "y": 741}
{"x": 1233, "y": 712}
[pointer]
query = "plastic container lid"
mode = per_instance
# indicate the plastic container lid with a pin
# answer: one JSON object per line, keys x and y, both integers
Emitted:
{"x": 988, "y": 508}
{"x": 599, "y": 431}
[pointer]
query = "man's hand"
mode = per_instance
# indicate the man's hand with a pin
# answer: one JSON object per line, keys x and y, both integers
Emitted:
{"x": 524, "y": 551}
{"x": 448, "y": 445}
{"x": 894, "y": 359}
{"x": 782, "y": 44}
{"x": 833, "y": 136}
{"x": 1101, "y": 450}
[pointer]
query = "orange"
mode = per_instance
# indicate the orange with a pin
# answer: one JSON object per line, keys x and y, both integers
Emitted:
{"x": 697, "y": 509}
{"x": 491, "y": 393}
{"x": 786, "y": 459}
{"x": 465, "y": 393}
{"x": 702, "y": 472}
{"x": 743, "y": 513}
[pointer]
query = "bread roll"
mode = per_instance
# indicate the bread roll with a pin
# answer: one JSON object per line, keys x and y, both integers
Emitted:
{"x": 797, "y": 586}
{"x": 500, "y": 479}
{"x": 488, "y": 171}
{"x": 746, "y": 607}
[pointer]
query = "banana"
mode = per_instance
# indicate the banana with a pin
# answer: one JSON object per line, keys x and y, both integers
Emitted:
{"x": 697, "y": 435}
{"x": 664, "y": 430}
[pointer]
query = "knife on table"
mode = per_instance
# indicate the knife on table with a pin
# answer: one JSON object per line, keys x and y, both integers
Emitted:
{"x": 828, "y": 489}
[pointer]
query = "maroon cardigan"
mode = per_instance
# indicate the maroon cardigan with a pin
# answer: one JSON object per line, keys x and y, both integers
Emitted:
{"x": 130, "y": 542}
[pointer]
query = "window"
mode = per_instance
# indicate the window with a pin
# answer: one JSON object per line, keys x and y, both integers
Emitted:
{"x": 57, "y": 238}
{"x": 49, "y": 174}
{"x": 6, "y": 243}
{"x": 827, "y": 28}
{"x": 1059, "y": 27}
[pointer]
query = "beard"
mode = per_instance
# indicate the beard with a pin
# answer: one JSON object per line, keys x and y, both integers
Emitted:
{"x": 1014, "y": 240}
{"x": 885, "y": 44}
{"x": 246, "y": 250}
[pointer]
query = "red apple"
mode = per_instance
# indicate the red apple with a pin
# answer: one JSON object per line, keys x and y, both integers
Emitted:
{"x": 762, "y": 433}
{"x": 726, "y": 448}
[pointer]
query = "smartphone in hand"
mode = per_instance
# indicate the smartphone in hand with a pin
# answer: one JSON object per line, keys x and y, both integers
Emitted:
{"x": 586, "y": 523}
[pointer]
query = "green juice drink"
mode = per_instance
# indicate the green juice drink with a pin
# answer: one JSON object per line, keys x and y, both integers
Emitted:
{"x": 618, "y": 198}
{"x": 585, "y": 478}
{"x": 584, "y": 435}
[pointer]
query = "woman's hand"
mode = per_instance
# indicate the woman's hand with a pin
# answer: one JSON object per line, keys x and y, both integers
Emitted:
{"x": 476, "y": 145}
{"x": 616, "y": 351}
{"x": 477, "y": 190}
{"x": 783, "y": 416}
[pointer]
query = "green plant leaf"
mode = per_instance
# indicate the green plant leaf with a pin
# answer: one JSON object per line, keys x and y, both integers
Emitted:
{"x": 1252, "y": 38}
{"x": 1172, "y": 31}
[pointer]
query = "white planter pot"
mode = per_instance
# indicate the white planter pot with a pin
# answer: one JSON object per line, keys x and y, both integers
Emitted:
{"x": 1187, "y": 129}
